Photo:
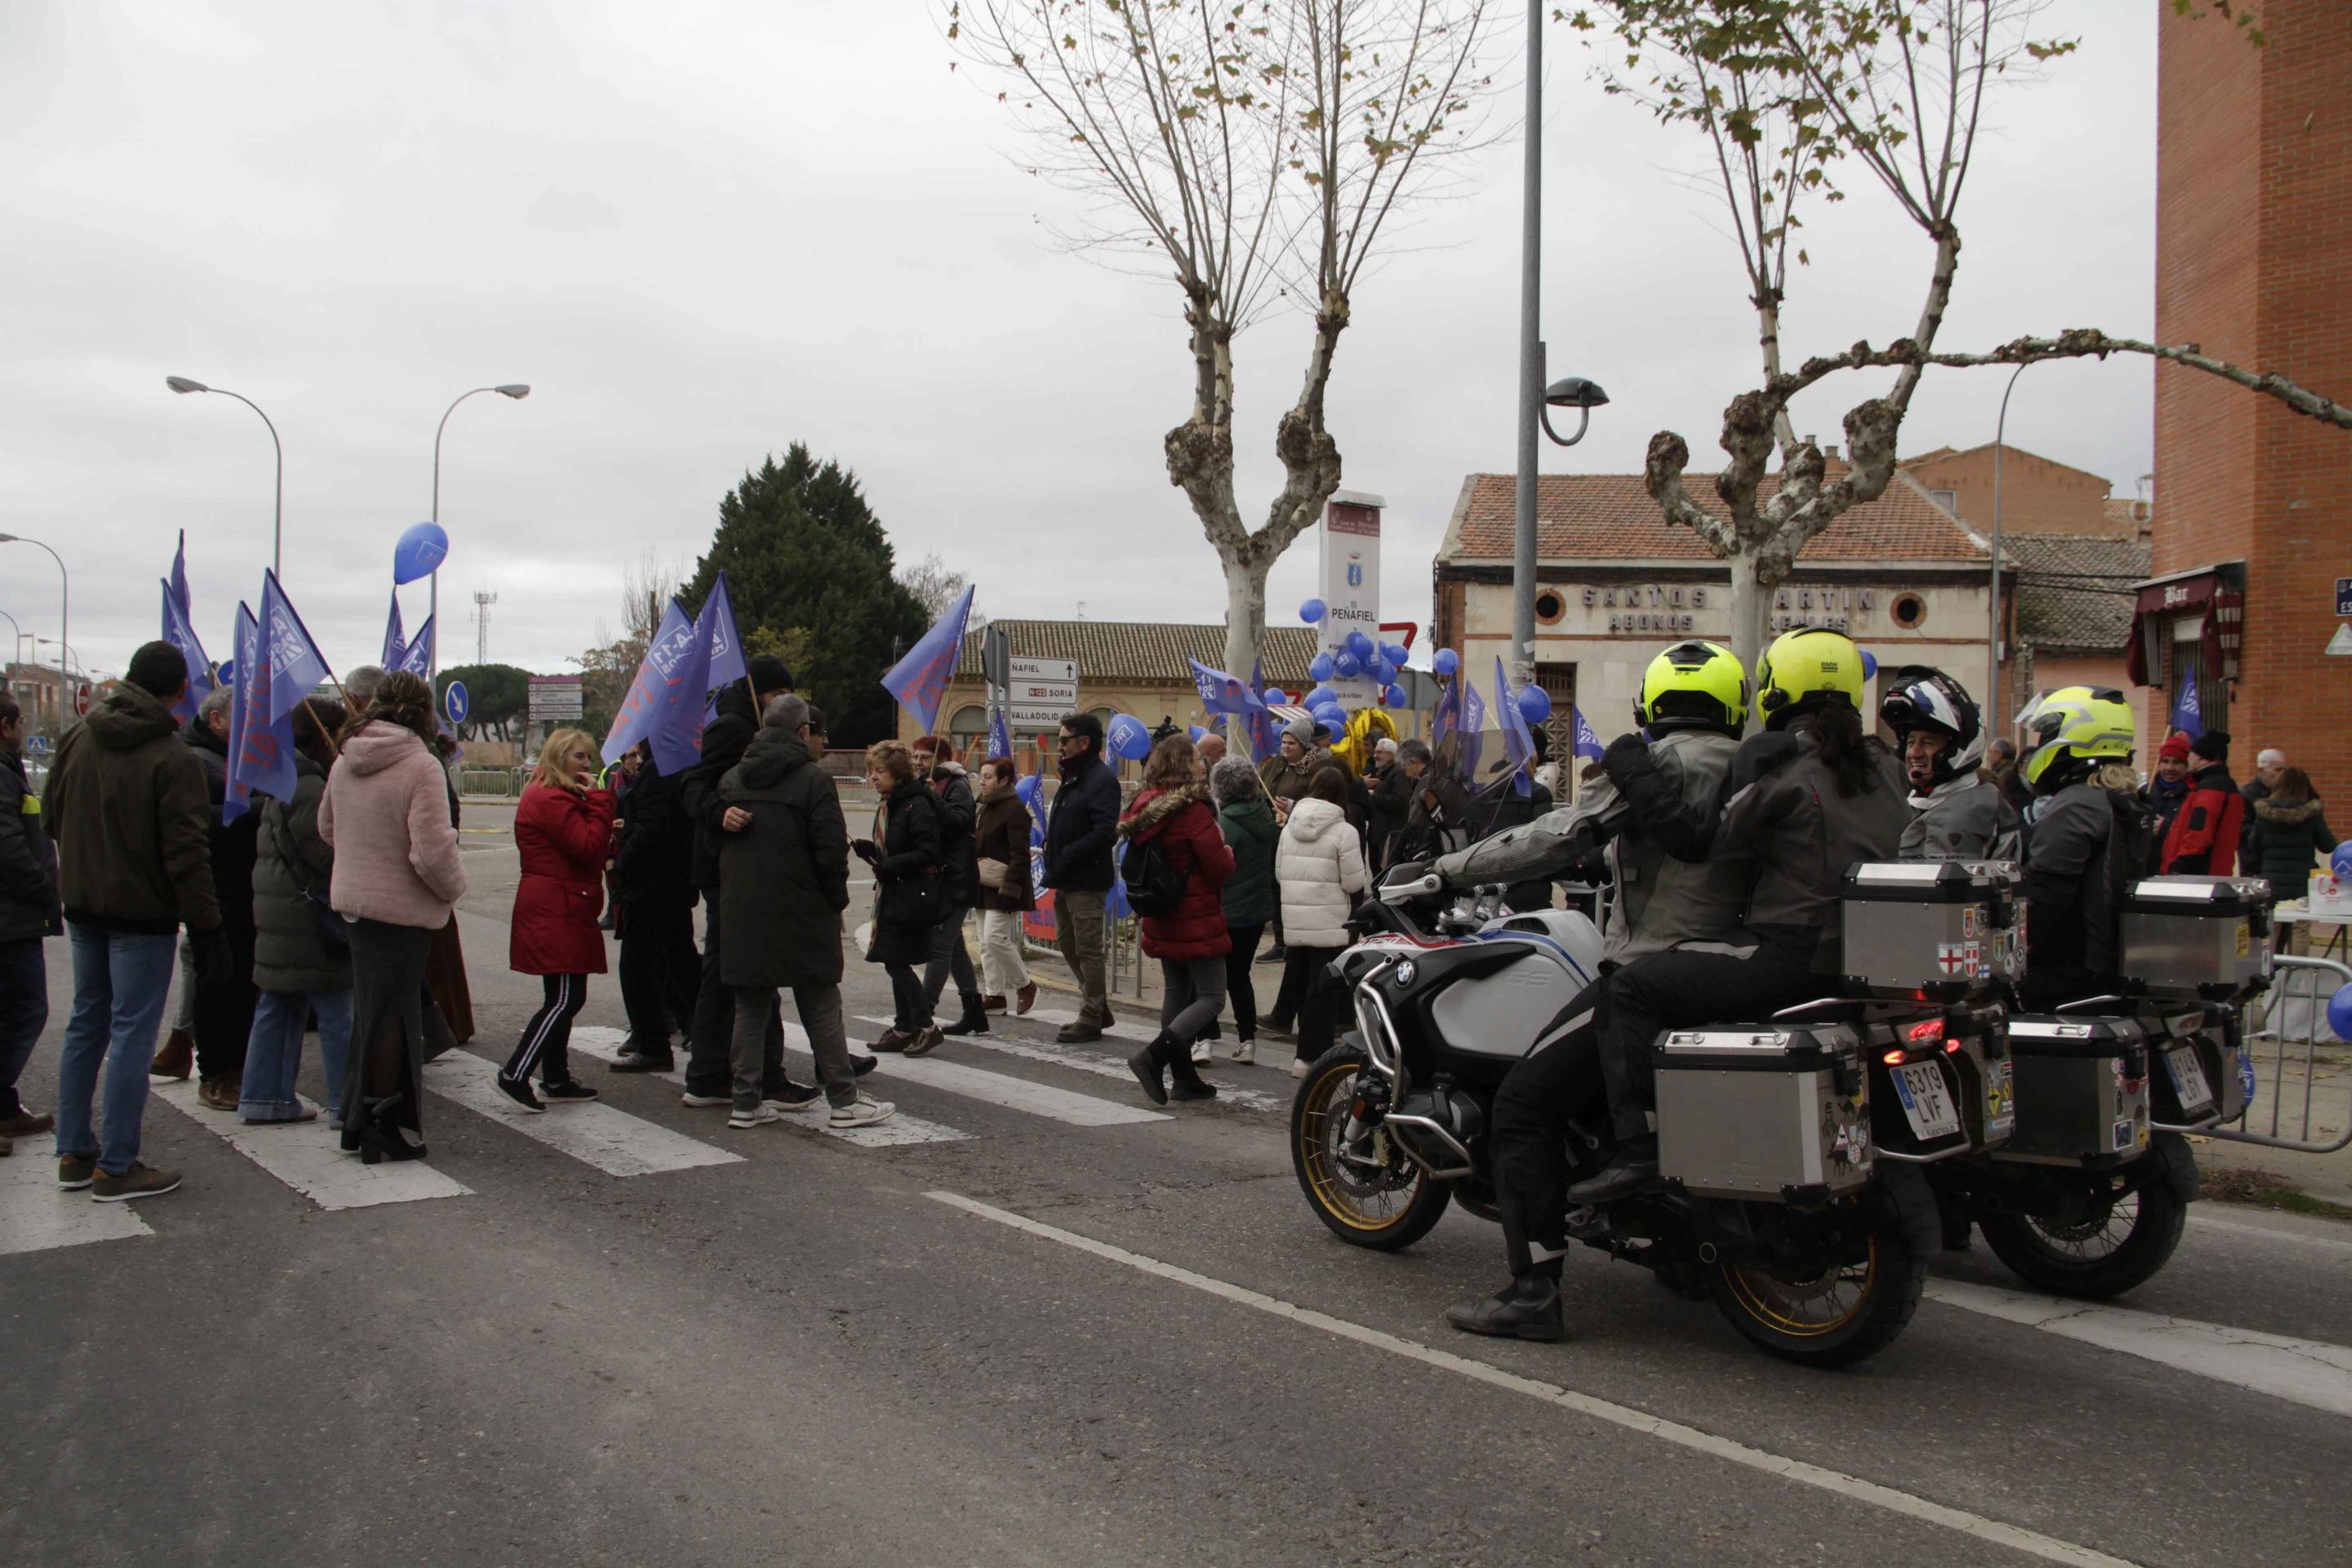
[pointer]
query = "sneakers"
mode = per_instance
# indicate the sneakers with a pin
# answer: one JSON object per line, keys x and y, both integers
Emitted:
{"x": 141, "y": 1181}
{"x": 643, "y": 1061}
{"x": 862, "y": 1111}
{"x": 514, "y": 1089}
{"x": 1277, "y": 954}
{"x": 794, "y": 1097}
{"x": 1244, "y": 1052}
{"x": 567, "y": 1092}
{"x": 1298, "y": 1068}
{"x": 925, "y": 1041}
{"x": 1024, "y": 998}
{"x": 219, "y": 1093}
{"x": 991, "y": 1004}
{"x": 75, "y": 1172}
{"x": 860, "y": 1065}
{"x": 1204, "y": 1053}
{"x": 758, "y": 1115}
{"x": 706, "y": 1102}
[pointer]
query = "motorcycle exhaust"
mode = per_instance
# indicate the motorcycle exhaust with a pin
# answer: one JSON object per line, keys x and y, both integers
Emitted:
{"x": 1434, "y": 1130}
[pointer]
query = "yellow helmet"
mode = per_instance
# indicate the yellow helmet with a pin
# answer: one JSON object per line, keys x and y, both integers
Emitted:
{"x": 1805, "y": 669}
{"x": 1700, "y": 683}
{"x": 1366, "y": 728}
{"x": 2073, "y": 723}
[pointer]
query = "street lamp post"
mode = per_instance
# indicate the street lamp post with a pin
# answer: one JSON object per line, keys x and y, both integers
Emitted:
{"x": 65, "y": 629}
{"x": 517, "y": 390}
{"x": 1992, "y": 633}
{"x": 277, "y": 517}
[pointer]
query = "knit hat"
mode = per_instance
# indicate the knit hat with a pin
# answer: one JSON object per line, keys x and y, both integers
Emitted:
{"x": 2213, "y": 745}
{"x": 2175, "y": 745}
{"x": 769, "y": 673}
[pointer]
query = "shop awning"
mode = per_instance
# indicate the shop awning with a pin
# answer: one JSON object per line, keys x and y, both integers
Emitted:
{"x": 2215, "y": 595}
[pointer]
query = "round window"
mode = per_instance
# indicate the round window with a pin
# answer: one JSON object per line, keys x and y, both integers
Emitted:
{"x": 1909, "y": 611}
{"x": 1550, "y": 606}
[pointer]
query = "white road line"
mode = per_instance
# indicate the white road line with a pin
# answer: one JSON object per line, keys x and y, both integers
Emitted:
{"x": 2271, "y": 1233}
{"x": 900, "y": 1131}
{"x": 2301, "y": 1371}
{"x": 1001, "y": 1088}
{"x": 996, "y": 1039}
{"x": 36, "y": 1214}
{"x": 1976, "y": 1526}
{"x": 614, "y": 1141}
{"x": 307, "y": 1156}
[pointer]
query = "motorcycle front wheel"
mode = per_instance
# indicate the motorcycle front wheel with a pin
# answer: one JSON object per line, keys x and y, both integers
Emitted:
{"x": 2100, "y": 1254}
{"x": 1371, "y": 1196}
{"x": 1844, "y": 1314}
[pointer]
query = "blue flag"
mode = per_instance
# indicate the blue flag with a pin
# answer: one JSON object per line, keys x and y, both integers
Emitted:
{"x": 417, "y": 657}
{"x": 2189, "y": 710}
{"x": 396, "y": 642}
{"x": 1585, "y": 744}
{"x": 1519, "y": 746}
{"x": 181, "y": 634}
{"x": 1258, "y": 721}
{"x": 178, "y": 586}
{"x": 921, "y": 680}
{"x": 1445, "y": 717}
{"x": 717, "y": 624}
{"x": 260, "y": 749}
{"x": 1222, "y": 693}
{"x": 1000, "y": 733}
{"x": 296, "y": 665}
{"x": 665, "y": 702}
{"x": 1471, "y": 721}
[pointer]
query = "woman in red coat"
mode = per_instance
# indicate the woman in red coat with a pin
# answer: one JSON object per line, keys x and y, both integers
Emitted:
{"x": 1190, "y": 940}
{"x": 563, "y": 834}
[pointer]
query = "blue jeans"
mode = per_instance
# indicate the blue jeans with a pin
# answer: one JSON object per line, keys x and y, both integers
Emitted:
{"x": 121, "y": 983}
{"x": 273, "y": 1055}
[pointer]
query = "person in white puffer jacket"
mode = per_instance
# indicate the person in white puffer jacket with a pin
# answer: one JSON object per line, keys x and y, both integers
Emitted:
{"x": 1318, "y": 863}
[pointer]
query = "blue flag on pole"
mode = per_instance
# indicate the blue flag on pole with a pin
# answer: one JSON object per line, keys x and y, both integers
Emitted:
{"x": 1223, "y": 693}
{"x": 395, "y": 641}
{"x": 181, "y": 635}
{"x": 1000, "y": 733}
{"x": 178, "y": 586}
{"x": 1258, "y": 720}
{"x": 260, "y": 749}
{"x": 1519, "y": 746}
{"x": 416, "y": 657}
{"x": 1445, "y": 717}
{"x": 296, "y": 665}
{"x": 1585, "y": 744}
{"x": 718, "y": 624}
{"x": 2189, "y": 710}
{"x": 921, "y": 680}
{"x": 665, "y": 702}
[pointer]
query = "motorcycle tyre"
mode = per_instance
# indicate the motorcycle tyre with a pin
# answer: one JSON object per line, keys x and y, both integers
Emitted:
{"x": 2163, "y": 1216}
{"x": 1418, "y": 1216}
{"x": 1900, "y": 1274}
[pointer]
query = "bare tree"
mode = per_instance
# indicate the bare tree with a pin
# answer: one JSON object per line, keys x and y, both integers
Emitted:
{"x": 933, "y": 584}
{"x": 1258, "y": 149}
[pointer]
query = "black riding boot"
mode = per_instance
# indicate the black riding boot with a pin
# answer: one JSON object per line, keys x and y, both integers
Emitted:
{"x": 1529, "y": 1310}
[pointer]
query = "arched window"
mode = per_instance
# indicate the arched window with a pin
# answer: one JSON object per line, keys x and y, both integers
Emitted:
{"x": 969, "y": 724}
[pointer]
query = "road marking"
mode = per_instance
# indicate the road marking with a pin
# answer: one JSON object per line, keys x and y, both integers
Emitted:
{"x": 1976, "y": 1526}
{"x": 900, "y": 1131}
{"x": 2302, "y": 1372}
{"x": 1000, "y": 1088}
{"x": 2270, "y": 1233}
{"x": 1061, "y": 1055}
{"x": 307, "y": 1156}
{"x": 614, "y": 1141}
{"x": 36, "y": 1214}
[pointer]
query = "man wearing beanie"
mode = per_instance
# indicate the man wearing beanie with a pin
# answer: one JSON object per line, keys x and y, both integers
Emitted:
{"x": 2203, "y": 839}
{"x": 2168, "y": 786}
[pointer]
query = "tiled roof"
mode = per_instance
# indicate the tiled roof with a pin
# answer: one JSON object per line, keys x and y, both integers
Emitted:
{"x": 1142, "y": 651}
{"x": 2125, "y": 516}
{"x": 1606, "y": 517}
{"x": 1940, "y": 453}
{"x": 2074, "y": 590}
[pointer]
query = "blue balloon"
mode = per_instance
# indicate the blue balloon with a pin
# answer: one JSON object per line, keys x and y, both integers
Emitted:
{"x": 1312, "y": 611}
{"x": 1027, "y": 788}
{"x": 1127, "y": 737}
{"x": 2340, "y": 1012}
{"x": 1395, "y": 694}
{"x": 1382, "y": 671}
{"x": 1869, "y": 664}
{"x": 1535, "y": 704}
{"x": 1360, "y": 646}
{"x": 1331, "y": 713}
{"x": 1394, "y": 653}
{"x": 420, "y": 550}
{"x": 1446, "y": 662}
{"x": 1319, "y": 667}
{"x": 2340, "y": 862}
{"x": 1195, "y": 732}
{"x": 1274, "y": 698}
{"x": 1346, "y": 665}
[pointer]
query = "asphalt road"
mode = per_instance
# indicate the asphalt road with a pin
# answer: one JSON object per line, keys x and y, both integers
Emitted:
{"x": 1047, "y": 1335}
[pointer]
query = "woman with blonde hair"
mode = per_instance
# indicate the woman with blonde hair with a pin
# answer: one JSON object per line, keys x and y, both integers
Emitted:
{"x": 563, "y": 836}
{"x": 911, "y": 892}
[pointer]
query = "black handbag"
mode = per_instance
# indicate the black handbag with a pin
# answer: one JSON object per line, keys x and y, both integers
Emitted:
{"x": 334, "y": 933}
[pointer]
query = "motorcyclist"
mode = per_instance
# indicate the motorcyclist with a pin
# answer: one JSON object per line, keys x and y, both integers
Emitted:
{"x": 1809, "y": 797}
{"x": 2090, "y": 836}
{"x": 1693, "y": 706}
{"x": 1961, "y": 815}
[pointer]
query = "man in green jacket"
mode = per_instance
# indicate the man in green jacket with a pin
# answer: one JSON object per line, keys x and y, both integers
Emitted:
{"x": 129, "y": 811}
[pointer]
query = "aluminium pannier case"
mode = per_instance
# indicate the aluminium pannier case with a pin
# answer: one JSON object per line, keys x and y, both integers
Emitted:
{"x": 2081, "y": 1090}
{"x": 1765, "y": 1112}
{"x": 1934, "y": 930}
{"x": 2196, "y": 936}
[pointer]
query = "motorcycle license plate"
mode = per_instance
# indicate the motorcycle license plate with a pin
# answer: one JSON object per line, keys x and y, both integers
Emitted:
{"x": 2187, "y": 1078}
{"x": 1929, "y": 1109}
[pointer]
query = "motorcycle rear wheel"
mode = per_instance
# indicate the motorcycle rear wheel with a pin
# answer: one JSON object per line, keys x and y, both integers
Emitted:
{"x": 2103, "y": 1255}
{"x": 1384, "y": 1208}
{"x": 1847, "y": 1314}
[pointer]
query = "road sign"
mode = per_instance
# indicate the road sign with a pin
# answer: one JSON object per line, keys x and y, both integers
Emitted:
{"x": 81, "y": 699}
{"x": 38, "y": 745}
{"x": 2344, "y": 597}
{"x": 2342, "y": 641}
{"x": 554, "y": 697}
{"x": 454, "y": 703}
{"x": 1042, "y": 689}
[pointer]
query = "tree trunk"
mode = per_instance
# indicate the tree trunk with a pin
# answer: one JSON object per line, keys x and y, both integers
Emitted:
{"x": 1244, "y": 616}
{"x": 1751, "y": 612}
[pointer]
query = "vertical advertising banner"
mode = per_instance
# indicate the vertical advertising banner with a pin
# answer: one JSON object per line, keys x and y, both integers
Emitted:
{"x": 1351, "y": 588}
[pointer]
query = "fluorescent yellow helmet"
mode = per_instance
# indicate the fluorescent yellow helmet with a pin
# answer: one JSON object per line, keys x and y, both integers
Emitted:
{"x": 1805, "y": 669}
{"x": 1694, "y": 683}
{"x": 1366, "y": 727}
{"x": 2073, "y": 723}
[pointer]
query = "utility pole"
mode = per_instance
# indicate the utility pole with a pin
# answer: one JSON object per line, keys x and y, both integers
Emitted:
{"x": 482, "y": 603}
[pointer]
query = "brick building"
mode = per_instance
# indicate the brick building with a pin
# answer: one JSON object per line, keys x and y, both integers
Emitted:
{"x": 2253, "y": 517}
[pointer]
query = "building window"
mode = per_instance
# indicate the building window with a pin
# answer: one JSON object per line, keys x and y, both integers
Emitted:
{"x": 1909, "y": 611}
{"x": 1550, "y": 605}
{"x": 970, "y": 723}
{"x": 1948, "y": 500}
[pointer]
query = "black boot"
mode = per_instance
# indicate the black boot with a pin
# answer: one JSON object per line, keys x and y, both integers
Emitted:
{"x": 1149, "y": 1063}
{"x": 1529, "y": 1310}
{"x": 1184, "y": 1075}
{"x": 380, "y": 1135}
{"x": 1634, "y": 1171}
{"x": 973, "y": 1021}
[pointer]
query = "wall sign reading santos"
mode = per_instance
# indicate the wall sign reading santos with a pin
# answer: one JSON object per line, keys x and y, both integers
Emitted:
{"x": 1652, "y": 608}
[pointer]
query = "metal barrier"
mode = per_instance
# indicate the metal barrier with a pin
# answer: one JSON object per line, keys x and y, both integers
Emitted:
{"x": 503, "y": 782}
{"x": 2320, "y": 1064}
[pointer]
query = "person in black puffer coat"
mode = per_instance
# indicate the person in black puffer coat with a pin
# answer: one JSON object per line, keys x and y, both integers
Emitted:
{"x": 960, "y": 864}
{"x": 29, "y": 914}
{"x": 223, "y": 1012}
{"x": 301, "y": 957}
{"x": 910, "y": 890}
{"x": 2290, "y": 836}
{"x": 652, "y": 877}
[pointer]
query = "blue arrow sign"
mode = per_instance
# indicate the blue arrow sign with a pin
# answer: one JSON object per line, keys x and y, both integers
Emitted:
{"x": 454, "y": 703}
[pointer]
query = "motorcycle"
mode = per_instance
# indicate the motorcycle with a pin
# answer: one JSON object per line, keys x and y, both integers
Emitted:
{"x": 1777, "y": 1202}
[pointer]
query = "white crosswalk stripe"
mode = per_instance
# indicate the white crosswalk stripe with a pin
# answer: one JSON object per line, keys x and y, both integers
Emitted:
{"x": 900, "y": 1131}
{"x": 1271, "y": 1057}
{"x": 307, "y": 1156}
{"x": 1090, "y": 1062}
{"x": 36, "y": 1214}
{"x": 1001, "y": 1088}
{"x": 610, "y": 1139}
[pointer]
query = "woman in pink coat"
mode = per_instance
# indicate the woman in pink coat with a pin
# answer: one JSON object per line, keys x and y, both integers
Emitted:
{"x": 396, "y": 879}
{"x": 564, "y": 835}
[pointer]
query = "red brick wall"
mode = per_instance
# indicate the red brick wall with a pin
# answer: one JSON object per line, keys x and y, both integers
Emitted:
{"x": 2254, "y": 263}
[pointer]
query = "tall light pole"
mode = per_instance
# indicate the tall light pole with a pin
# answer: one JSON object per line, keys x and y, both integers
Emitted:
{"x": 64, "y": 630}
{"x": 1992, "y": 633}
{"x": 278, "y": 519}
{"x": 517, "y": 390}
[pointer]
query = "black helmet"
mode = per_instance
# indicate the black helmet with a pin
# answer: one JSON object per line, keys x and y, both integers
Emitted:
{"x": 1921, "y": 698}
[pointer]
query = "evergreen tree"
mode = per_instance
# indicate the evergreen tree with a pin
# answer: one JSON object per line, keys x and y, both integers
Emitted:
{"x": 497, "y": 695}
{"x": 801, "y": 550}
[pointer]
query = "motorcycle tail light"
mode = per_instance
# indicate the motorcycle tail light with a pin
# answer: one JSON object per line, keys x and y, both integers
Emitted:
{"x": 1951, "y": 1046}
{"x": 1933, "y": 1029}
{"x": 1893, "y": 1058}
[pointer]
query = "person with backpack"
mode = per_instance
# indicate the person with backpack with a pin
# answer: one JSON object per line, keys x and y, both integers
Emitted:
{"x": 1176, "y": 862}
{"x": 2205, "y": 835}
{"x": 1320, "y": 864}
{"x": 2090, "y": 836}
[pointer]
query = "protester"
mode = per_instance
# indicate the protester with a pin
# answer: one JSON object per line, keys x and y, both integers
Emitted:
{"x": 910, "y": 890}
{"x": 2203, "y": 840}
{"x": 397, "y": 878}
{"x": 1435, "y": 806}
{"x": 2269, "y": 763}
{"x": 783, "y": 882}
{"x": 2289, "y": 834}
{"x": 620, "y": 777}
{"x": 563, "y": 834}
{"x": 1078, "y": 837}
{"x": 1210, "y": 750}
{"x": 1172, "y": 816}
{"x": 2168, "y": 788}
{"x": 301, "y": 948}
{"x": 127, "y": 808}
{"x": 653, "y": 879}
{"x": 2001, "y": 767}
{"x": 1001, "y": 861}
{"x": 29, "y": 914}
{"x": 1321, "y": 866}
{"x": 1246, "y": 818}
{"x": 220, "y": 1020}
{"x": 1391, "y": 791}
{"x": 960, "y": 877}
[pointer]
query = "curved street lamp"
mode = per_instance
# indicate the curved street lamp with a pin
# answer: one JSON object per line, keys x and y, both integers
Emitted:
{"x": 518, "y": 390}
{"x": 64, "y": 630}
{"x": 277, "y": 524}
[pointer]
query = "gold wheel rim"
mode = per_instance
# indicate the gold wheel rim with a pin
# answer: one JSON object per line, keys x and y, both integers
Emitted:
{"x": 1771, "y": 1300}
{"x": 1317, "y": 1137}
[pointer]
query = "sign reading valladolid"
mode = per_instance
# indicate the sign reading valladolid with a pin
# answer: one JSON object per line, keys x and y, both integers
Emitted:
{"x": 554, "y": 697}
{"x": 1041, "y": 691}
{"x": 1351, "y": 585}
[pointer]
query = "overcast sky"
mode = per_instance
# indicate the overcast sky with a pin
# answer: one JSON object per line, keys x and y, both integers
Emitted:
{"x": 704, "y": 229}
